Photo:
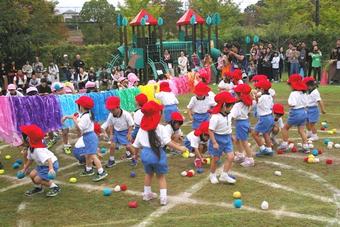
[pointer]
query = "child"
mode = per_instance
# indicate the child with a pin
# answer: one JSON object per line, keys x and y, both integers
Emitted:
{"x": 47, "y": 162}
{"x": 87, "y": 144}
{"x": 237, "y": 77}
{"x": 265, "y": 121}
{"x": 122, "y": 123}
{"x": 220, "y": 137}
{"x": 276, "y": 66}
{"x": 313, "y": 113}
{"x": 297, "y": 102}
{"x": 226, "y": 84}
{"x": 240, "y": 112}
{"x": 278, "y": 110}
{"x": 141, "y": 99}
{"x": 173, "y": 128}
{"x": 168, "y": 99}
{"x": 133, "y": 80}
{"x": 196, "y": 141}
{"x": 199, "y": 105}
{"x": 151, "y": 140}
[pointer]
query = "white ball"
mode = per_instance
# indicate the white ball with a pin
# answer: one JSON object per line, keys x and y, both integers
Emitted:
{"x": 291, "y": 145}
{"x": 299, "y": 144}
{"x": 191, "y": 155}
{"x": 184, "y": 173}
{"x": 278, "y": 173}
{"x": 316, "y": 160}
{"x": 310, "y": 141}
{"x": 337, "y": 146}
{"x": 330, "y": 146}
{"x": 264, "y": 205}
{"x": 117, "y": 188}
{"x": 330, "y": 143}
{"x": 311, "y": 146}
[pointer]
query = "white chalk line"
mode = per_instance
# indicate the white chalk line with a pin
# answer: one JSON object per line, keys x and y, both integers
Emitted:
{"x": 289, "y": 155}
{"x": 22, "y": 206}
{"x": 124, "y": 221}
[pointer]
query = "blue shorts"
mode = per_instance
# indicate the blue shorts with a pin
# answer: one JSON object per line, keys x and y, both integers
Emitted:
{"x": 242, "y": 129}
{"x": 43, "y": 170}
{"x": 120, "y": 137}
{"x": 91, "y": 145}
{"x": 265, "y": 124}
{"x": 187, "y": 144}
{"x": 198, "y": 118}
{"x": 153, "y": 164}
{"x": 255, "y": 111}
{"x": 225, "y": 145}
{"x": 168, "y": 110}
{"x": 297, "y": 117}
{"x": 313, "y": 114}
{"x": 135, "y": 131}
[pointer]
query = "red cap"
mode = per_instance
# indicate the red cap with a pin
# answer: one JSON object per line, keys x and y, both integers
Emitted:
{"x": 86, "y": 102}
{"x": 246, "y": 99}
{"x": 176, "y": 116}
{"x": 201, "y": 89}
{"x": 264, "y": 84}
{"x": 228, "y": 74}
{"x": 141, "y": 99}
{"x": 299, "y": 86}
{"x": 294, "y": 78}
{"x": 278, "y": 109}
{"x": 97, "y": 128}
{"x": 112, "y": 102}
{"x": 152, "y": 115}
{"x": 243, "y": 88}
{"x": 308, "y": 79}
{"x": 204, "y": 74}
{"x": 164, "y": 86}
{"x": 202, "y": 129}
{"x": 220, "y": 99}
{"x": 35, "y": 135}
{"x": 259, "y": 78}
{"x": 237, "y": 75}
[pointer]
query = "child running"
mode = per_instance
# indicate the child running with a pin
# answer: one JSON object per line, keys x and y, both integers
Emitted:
{"x": 168, "y": 99}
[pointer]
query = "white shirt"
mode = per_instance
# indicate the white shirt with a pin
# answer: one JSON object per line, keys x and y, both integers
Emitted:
{"x": 119, "y": 123}
{"x": 280, "y": 122}
{"x": 194, "y": 140}
{"x": 219, "y": 124}
{"x": 272, "y": 92}
{"x": 297, "y": 100}
{"x": 170, "y": 132}
{"x": 200, "y": 106}
{"x": 85, "y": 123}
{"x": 240, "y": 111}
{"x": 225, "y": 86}
{"x": 166, "y": 98}
{"x": 142, "y": 138}
{"x": 41, "y": 155}
{"x": 264, "y": 105}
{"x": 313, "y": 98}
{"x": 276, "y": 62}
{"x": 137, "y": 117}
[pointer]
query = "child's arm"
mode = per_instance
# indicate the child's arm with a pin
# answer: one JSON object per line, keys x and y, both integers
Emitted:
{"x": 190, "y": 114}
{"x": 129, "y": 137}
{"x": 322, "y": 107}
{"x": 26, "y": 165}
{"x": 213, "y": 140}
{"x": 135, "y": 152}
{"x": 176, "y": 146}
{"x": 50, "y": 165}
{"x": 198, "y": 153}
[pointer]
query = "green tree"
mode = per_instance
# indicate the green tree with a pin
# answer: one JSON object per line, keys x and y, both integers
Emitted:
{"x": 131, "y": 8}
{"x": 98, "y": 19}
{"x": 170, "y": 19}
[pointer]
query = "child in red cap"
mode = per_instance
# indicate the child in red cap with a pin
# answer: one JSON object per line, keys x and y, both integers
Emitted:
{"x": 47, "y": 162}
{"x": 173, "y": 128}
{"x": 278, "y": 110}
{"x": 226, "y": 83}
{"x": 220, "y": 137}
{"x": 168, "y": 99}
{"x": 122, "y": 123}
{"x": 141, "y": 99}
{"x": 151, "y": 139}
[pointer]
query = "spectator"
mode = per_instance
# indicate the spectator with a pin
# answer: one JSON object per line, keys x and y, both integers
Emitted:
{"x": 12, "y": 72}
{"x": 267, "y": 64}
{"x": 28, "y": 70}
{"x": 3, "y": 75}
{"x": 32, "y": 91}
{"x": 47, "y": 77}
{"x": 282, "y": 60}
{"x": 34, "y": 82}
{"x": 276, "y": 66}
{"x": 65, "y": 73}
{"x": 309, "y": 59}
{"x": 335, "y": 62}
{"x": 288, "y": 57}
{"x": 316, "y": 63}
{"x": 77, "y": 64}
{"x": 294, "y": 61}
{"x": 20, "y": 80}
{"x": 303, "y": 59}
{"x": 11, "y": 91}
{"x": 43, "y": 88}
{"x": 167, "y": 59}
{"x": 83, "y": 78}
{"x": 183, "y": 64}
{"x": 104, "y": 77}
{"x": 38, "y": 67}
{"x": 238, "y": 60}
{"x": 92, "y": 77}
{"x": 53, "y": 71}
{"x": 195, "y": 60}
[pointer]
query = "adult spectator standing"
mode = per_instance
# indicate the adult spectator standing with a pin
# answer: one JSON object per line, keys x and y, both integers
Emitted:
{"x": 309, "y": 59}
{"x": 335, "y": 63}
{"x": 303, "y": 59}
{"x": 282, "y": 60}
{"x": 65, "y": 73}
{"x": 20, "y": 80}
{"x": 294, "y": 61}
{"x": 288, "y": 57}
{"x": 316, "y": 63}
{"x": 53, "y": 70}
{"x": 238, "y": 60}
{"x": 27, "y": 69}
{"x": 276, "y": 66}
{"x": 183, "y": 64}
{"x": 38, "y": 67}
{"x": 267, "y": 64}
{"x": 77, "y": 64}
{"x": 168, "y": 60}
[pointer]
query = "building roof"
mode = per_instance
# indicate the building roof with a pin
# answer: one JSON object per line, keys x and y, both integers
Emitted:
{"x": 185, "y": 19}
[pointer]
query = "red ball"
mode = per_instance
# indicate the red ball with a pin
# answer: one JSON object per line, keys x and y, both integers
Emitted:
{"x": 329, "y": 161}
{"x": 280, "y": 152}
{"x": 294, "y": 150}
{"x": 123, "y": 187}
{"x": 320, "y": 151}
{"x": 322, "y": 129}
{"x": 133, "y": 204}
{"x": 190, "y": 174}
{"x": 305, "y": 159}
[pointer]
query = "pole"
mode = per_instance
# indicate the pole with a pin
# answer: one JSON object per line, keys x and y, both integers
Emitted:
{"x": 209, "y": 38}
{"x": 194, "y": 38}
{"x": 145, "y": 60}
{"x": 120, "y": 36}
{"x": 202, "y": 46}
{"x": 126, "y": 46}
{"x": 216, "y": 36}
{"x": 160, "y": 41}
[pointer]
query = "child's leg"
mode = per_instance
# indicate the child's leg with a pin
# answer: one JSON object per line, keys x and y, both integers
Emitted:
{"x": 228, "y": 163}
{"x": 268, "y": 141}
{"x": 301, "y": 130}
{"x": 33, "y": 174}
{"x": 42, "y": 182}
{"x": 162, "y": 189}
{"x": 213, "y": 164}
{"x": 89, "y": 163}
{"x": 312, "y": 128}
{"x": 285, "y": 135}
{"x": 258, "y": 140}
{"x": 65, "y": 132}
{"x": 246, "y": 148}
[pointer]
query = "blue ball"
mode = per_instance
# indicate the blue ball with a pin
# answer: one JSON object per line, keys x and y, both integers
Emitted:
{"x": 103, "y": 150}
{"x": 51, "y": 176}
{"x": 15, "y": 165}
{"x": 20, "y": 174}
{"x": 199, "y": 170}
{"x": 107, "y": 192}
{"x": 132, "y": 174}
{"x": 315, "y": 152}
{"x": 238, "y": 203}
{"x": 19, "y": 161}
{"x": 326, "y": 141}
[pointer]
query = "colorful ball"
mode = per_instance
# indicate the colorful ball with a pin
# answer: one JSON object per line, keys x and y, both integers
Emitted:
{"x": 117, "y": 188}
{"x": 73, "y": 180}
{"x": 186, "y": 154}
{"x": 329, "y": 161}
{"x": 133, "y": 204}
{"x": 326, "y": 141}
{"x": 51, "y": 176}
{"x": 294, "y": 150}
{"x": 132, "y": 174}
{"x": 190, "y": 174}
{"x": 184, "y": 173}
{"x": 103, "y": 150}
{"x": 15, "y": 165}
{"x": 280, "y": 152}
{"x": 238, "y": 203}
{"x": 315, "y": 152}
{"x": 237, "y": 195}
{"x": 264, "y": 205}
{"x": 19, "y": 161}
{"x": 7, "y": 157}
{"x": 199, "y": 170}
{"x": 311, "y": 160}
{"x": 2, "y": 171}
{"x": 107, "y": 191}
{"x": 123, "y": 187}
{"x": 20, "y": 174}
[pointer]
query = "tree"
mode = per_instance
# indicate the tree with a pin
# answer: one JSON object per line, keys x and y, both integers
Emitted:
{"x": 98, "y": 19}
{"x": 131, "y": 8}
{"x": 170, "y": 19}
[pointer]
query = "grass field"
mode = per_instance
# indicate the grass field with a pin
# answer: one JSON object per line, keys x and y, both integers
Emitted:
{"x": 305, "y": 194}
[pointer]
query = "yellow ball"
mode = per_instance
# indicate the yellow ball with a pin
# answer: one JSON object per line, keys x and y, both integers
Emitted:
{"x": 186, "y": 154}
{"x": 334, "y": 129}
{"x": 73, "y": 180}
{"x": 311, "y": 160}
{"x": 237, "y": 195}
{"x": 311, "y": 156}
{"x": 2, "y": 171}
{"x": 7, "y": 157}
{"x": 208, "y": 161}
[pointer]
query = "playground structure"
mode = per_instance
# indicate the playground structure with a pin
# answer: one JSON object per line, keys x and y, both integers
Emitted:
{"x": 145, "y": 52}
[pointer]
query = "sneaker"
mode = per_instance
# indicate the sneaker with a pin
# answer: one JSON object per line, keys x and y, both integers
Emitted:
{"x": 283, "y": 147}
{"x": 134, "y": 162}
{"x": 163, "y": 200}
{"x": 128, "y": 156}
{"x": 110, "y": 163}
{"x": 87, "y": 173}
{"x": 67, "y": 150}
{"x": 51, "y": 143}
{"x": 101, "y": 176}
{"x": 213, "y": 179}
{"x": 305, "y": 149}
{"x": 264, "y": 152}
{"x": 239, "y": 157}
{"x": 53, "y": 191}
{"x": 248, "y": 162}
{"x": 149, "y": 196}
{"x": 226, "y": 178}
{"x": 34, "y": 191}
{"x": 314, "y": 138}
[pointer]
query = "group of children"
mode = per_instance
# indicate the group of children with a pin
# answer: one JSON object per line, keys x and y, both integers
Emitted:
{"x": 145, "y": 135}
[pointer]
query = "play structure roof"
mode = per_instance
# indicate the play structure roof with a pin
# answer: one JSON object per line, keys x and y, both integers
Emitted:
{"x": 185, "y": 19}
{"x": 150, "y": 20}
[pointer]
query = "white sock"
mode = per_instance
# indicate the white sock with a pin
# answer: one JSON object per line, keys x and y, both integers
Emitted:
{"x": 163, "y": 192}
{"x": 269, "y": 149}
{"x": 100, "y": 170}
{"x": 262, "y": 147}
{"x": 147, "y": 189}
{"x": 88, "y": 168}
{"x": 112, "y": 158}
{"x": 53, "y": 185}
